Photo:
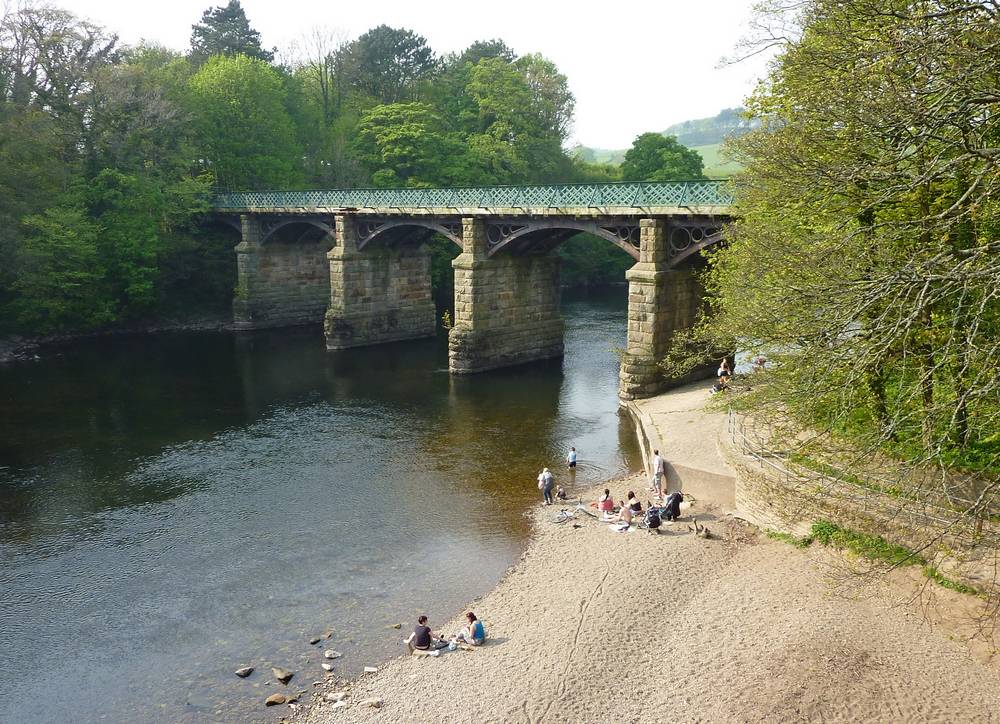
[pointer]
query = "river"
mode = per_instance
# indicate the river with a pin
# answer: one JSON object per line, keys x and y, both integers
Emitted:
{"x": 175, "y": 506}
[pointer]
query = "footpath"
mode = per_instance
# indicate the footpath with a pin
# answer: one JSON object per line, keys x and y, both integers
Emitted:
{"x": 596, "y": 626}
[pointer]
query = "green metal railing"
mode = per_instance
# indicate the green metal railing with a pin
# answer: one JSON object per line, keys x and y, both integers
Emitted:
{"x": 620, "y": 195}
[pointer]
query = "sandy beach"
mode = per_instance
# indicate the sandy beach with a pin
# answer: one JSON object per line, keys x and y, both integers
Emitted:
{"x": 592, "y": 625}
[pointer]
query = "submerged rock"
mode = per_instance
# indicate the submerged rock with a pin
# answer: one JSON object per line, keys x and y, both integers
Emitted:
{"x": 314, "y": 640}
{"x": 328, "y": 633}
{"x": 395, "y": 625}
{"x": 244, "y": 671}
{"x": 282, "y": 675}
{"x": 274, "y": 700}
{"x": 331, "y": 654}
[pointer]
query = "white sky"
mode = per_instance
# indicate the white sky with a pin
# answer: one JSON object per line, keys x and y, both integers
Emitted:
{"x": 633, "y": 66}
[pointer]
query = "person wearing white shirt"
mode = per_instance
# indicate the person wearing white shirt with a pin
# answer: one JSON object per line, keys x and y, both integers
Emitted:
{"x": 657, "y": 474}
{"x": 571, "y": 458}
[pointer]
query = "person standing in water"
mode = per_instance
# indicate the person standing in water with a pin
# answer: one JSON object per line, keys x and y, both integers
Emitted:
{"x": 571, "y": 458}
{"x": 546, "y": 481}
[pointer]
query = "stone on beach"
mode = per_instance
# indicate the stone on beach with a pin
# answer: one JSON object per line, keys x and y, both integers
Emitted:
{"x": 275, "y": 699}
{"x": 244, "y": 671}
{"x": 327, "y": 667}
{"x": 370, "y": 669}
{"x": 282, "y": 675}
{"x": 335, "y": 696}
{"x": 373, "y": 703}
{"x": 331, "y": 654}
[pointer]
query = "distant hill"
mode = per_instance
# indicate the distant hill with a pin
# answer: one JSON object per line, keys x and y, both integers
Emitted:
{"x": 729, "y": 123}
{"x": 704, "y": 135}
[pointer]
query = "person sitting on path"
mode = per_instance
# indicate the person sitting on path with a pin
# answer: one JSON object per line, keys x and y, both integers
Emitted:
{"x": 422, "y": 639}
{"x": 672, "y": 506}
{"x": 474, "y": 634}
{"x": 571, "y": 458}
{"x": 658, "y": 468}
{"x": 724, "y": 372}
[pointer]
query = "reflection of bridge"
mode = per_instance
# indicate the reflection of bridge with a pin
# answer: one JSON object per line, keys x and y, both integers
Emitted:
{"x": 356, "y": 258}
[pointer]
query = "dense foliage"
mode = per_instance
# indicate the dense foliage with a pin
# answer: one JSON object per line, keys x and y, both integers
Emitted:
{"x": 866, "y": 255}
{"x": 109, "y": 155}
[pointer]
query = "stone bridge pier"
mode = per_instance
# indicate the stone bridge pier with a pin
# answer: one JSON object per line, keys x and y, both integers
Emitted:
{"x": 506, "y": 306}
{"x": 282, "y": 278}
{"x": 662, "y": 300}
{"x": 381, "y": 293}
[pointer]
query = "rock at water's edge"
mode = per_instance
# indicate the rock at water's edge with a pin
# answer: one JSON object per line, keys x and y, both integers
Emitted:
{"x": 274, "y": 700}
{"x": 244, "y": 671}
{"x": 331, "y": 654}
{"x": 314, "y": 640}
{"x": 282, "y": 675}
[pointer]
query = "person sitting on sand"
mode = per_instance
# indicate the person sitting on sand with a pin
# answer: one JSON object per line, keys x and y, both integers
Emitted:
{"x": 473, "y": 634}
{"x": 630, "y": 508}
{"x": 422, "y": 639}
{"x": 560, "y": 493}
{"x": 606, "y": 504}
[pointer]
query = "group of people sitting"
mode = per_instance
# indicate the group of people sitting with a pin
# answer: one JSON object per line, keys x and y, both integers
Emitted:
{"x": 423, "y": 639}
{"x": 630, "y": 508}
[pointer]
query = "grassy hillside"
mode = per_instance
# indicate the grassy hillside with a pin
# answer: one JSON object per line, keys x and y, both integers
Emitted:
{"x": 716, "y": 166}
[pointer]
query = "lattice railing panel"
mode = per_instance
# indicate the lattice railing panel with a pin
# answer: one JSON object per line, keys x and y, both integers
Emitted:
{"x": 621, "y": 195}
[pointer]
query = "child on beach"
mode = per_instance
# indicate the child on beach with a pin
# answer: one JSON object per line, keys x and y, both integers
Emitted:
{"x": 560, "y": 493}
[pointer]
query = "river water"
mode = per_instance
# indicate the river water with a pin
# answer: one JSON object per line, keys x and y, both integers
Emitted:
{"x": 173, "y": 507}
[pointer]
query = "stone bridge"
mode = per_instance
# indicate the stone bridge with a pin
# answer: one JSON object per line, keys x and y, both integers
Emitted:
{"x": 356, "y": 260}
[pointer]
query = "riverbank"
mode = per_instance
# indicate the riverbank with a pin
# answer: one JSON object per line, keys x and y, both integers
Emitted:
{"x": 18, "y": 348}
{"x": 592, "y": 625}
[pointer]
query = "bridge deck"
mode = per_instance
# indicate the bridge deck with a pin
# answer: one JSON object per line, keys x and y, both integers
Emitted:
{"x": 619, "y": 199}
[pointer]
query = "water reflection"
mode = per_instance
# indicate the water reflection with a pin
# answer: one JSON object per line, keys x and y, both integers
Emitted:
{"x": 172, "y": 507}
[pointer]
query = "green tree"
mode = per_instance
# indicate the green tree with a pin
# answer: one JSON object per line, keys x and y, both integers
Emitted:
{"x": 60, "y": 282}
{"x": 226, "y": 30}
{"x": 655, "y": 157}
{"x": 406, "y": 144}
{"x": 245, "y": 134}
{"x": 388, "y": 63}
{"x": 864, "y": 255}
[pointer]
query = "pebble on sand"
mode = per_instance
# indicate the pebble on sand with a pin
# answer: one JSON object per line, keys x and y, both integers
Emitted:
{"x": 335, "y": 696}
{"x": 275, "y": 699}
{"x": 282, "y": 675}
{"x": 327, "y": 667}
{"x": 395, "y": 625}
{"x": 373, "y": 703}
{"x": 244, "y": 671}
{"x": 331, "y": 654}
{"x": 370, "y": 669}
{"x": 339, "y": 705}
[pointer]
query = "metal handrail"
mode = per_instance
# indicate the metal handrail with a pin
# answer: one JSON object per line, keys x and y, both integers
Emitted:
{"x": 606, "y": 195}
